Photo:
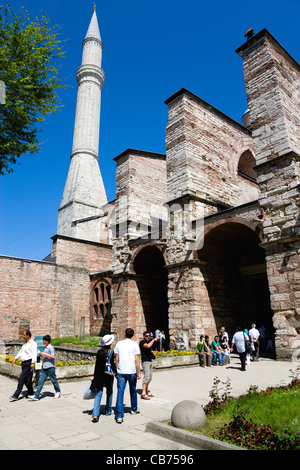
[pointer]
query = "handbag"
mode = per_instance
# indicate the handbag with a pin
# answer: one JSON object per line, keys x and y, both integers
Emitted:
{"x": 248, "y": 345}
{"x": 89, "y": 394}
{"x": 108, "y": 369}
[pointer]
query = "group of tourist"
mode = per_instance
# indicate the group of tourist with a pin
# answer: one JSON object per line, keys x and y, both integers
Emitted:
{"x": 28, "y": 357}
{"x": 124, "y": 361}
{"x": 210, "y": 352}
{"x": 244, "y": 342}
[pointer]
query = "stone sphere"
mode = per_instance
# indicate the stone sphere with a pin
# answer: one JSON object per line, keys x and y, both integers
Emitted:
{"x": 188, "y": 415}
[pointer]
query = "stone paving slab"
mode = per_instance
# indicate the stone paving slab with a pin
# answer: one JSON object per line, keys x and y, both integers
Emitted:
{"x": 65, "y": 423}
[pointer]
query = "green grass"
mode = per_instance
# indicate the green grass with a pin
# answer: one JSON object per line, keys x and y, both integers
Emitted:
{"x": 279, "y": 409}
{"x": 76, "y": 340}
{"x": 262, "y": 420}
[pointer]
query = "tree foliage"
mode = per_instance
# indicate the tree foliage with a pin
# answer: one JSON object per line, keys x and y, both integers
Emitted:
{"x": 30, "y": 52}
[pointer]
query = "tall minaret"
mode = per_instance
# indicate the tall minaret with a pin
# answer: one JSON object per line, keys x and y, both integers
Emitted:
{"x": 84, "y": 192}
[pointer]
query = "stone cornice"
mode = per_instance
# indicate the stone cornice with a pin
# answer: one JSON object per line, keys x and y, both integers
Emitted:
{"x": 78, "y": 240}
{"x": 278, "y": 158}
{"x": 140, "y": 153}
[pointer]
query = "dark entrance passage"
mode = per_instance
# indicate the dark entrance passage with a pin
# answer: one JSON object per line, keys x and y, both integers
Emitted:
{"x": 236, "y": 277}
{"x": 152, "y": 284}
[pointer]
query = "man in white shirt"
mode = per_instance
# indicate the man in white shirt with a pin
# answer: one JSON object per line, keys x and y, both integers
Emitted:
{"x": 28, "y": 356}
{"x": 239, "y": 341}
{"x": 128, "y": 369}
{"x": 254, "y": 335}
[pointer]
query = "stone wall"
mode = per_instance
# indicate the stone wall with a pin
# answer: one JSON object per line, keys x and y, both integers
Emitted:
{"x": 141, "y": 192}
{"x": 272, "y": 85}
{"x": 204, "y": 147}
{"x": 273, "y": 92}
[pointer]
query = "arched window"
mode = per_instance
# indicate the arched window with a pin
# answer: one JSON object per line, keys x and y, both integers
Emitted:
{"x": 102, "y": 300}
{"x": 246, "y": 165}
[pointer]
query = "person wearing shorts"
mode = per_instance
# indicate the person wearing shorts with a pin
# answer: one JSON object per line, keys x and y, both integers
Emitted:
{"x": 147, "y": 355}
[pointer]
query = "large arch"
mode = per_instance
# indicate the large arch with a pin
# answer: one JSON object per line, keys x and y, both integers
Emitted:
{"x": 151, "y": 278}
{"x": 234, "y": 268}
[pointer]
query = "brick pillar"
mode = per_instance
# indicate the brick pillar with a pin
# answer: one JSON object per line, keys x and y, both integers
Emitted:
{"x": 272, "y": 85}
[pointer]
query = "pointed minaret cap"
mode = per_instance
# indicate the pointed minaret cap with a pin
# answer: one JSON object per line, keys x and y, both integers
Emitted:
{"x": 93, "y": 31}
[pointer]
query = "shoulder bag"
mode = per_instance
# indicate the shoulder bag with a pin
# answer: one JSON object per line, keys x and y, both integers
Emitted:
{"x": 108, "y": 369}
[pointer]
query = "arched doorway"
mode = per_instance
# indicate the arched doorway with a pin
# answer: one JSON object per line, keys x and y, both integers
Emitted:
{"x": 152, "y": 283}
{"x": 235, "y": 275}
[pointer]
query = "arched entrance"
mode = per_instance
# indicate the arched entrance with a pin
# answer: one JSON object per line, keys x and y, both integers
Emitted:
{"x": 152, "y": 283}
{"x": 235, "y": 275}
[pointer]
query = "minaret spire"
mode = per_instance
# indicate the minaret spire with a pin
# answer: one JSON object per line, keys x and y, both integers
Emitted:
{"x": 93, "y": 30}
{"x": 84, "y": 193}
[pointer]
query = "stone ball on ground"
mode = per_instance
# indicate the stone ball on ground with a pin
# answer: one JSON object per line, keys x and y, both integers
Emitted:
{"x": 188, "y": 415}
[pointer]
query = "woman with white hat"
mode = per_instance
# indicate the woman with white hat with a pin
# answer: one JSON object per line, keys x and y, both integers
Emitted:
{"x": 101, "y": 379}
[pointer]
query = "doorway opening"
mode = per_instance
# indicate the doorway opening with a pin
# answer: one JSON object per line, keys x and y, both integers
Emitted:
{"x": 152, "y": 283}
{"x": 236, "y": 278}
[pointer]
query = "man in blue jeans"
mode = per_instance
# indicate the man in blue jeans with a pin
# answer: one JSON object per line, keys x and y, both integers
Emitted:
{"x": 217, "y": 351}
{"x": 48, "y": 369}
{"x": 128, "y": 370}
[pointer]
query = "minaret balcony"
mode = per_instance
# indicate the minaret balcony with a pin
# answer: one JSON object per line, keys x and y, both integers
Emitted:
{"x": 91, "y": 73}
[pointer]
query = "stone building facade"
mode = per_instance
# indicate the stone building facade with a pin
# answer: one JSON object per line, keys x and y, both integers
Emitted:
{"x": 204, "y": 236}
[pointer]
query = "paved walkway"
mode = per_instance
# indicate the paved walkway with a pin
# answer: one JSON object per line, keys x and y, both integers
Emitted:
{"x": 66, "y": 424}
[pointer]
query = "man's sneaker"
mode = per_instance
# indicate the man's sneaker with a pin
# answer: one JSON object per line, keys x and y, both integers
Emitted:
{"x": 119, "y": 420}
{"x": 33, "y": 398}
{"x": 12, "y": 398}
{"x": 30, "y": 396}
{"x": 135, "y": 412}
{"x": 95, "y": 419}
{"x": 57, "y": 395}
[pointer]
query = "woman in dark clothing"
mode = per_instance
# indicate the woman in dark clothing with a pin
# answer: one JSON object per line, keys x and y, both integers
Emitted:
{"x": 101, "y": 379}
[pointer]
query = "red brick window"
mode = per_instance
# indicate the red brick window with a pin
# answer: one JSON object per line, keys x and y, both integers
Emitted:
{"x": 102, "y": 300}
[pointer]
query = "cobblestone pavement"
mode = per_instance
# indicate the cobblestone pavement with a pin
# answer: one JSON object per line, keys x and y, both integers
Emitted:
{"x": 65, "y": 423}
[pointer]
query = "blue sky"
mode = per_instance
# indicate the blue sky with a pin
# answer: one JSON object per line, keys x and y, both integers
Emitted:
{"x": 152, "y": 48}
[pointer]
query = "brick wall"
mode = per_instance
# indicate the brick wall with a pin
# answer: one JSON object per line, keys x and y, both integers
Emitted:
{"x": 50, "y": 298}
{"x": 81, "y": 253}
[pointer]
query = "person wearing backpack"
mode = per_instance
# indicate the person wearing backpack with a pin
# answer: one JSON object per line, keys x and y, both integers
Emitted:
{"x": 102, "y": 379}
{"x": 240, "y": 340}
